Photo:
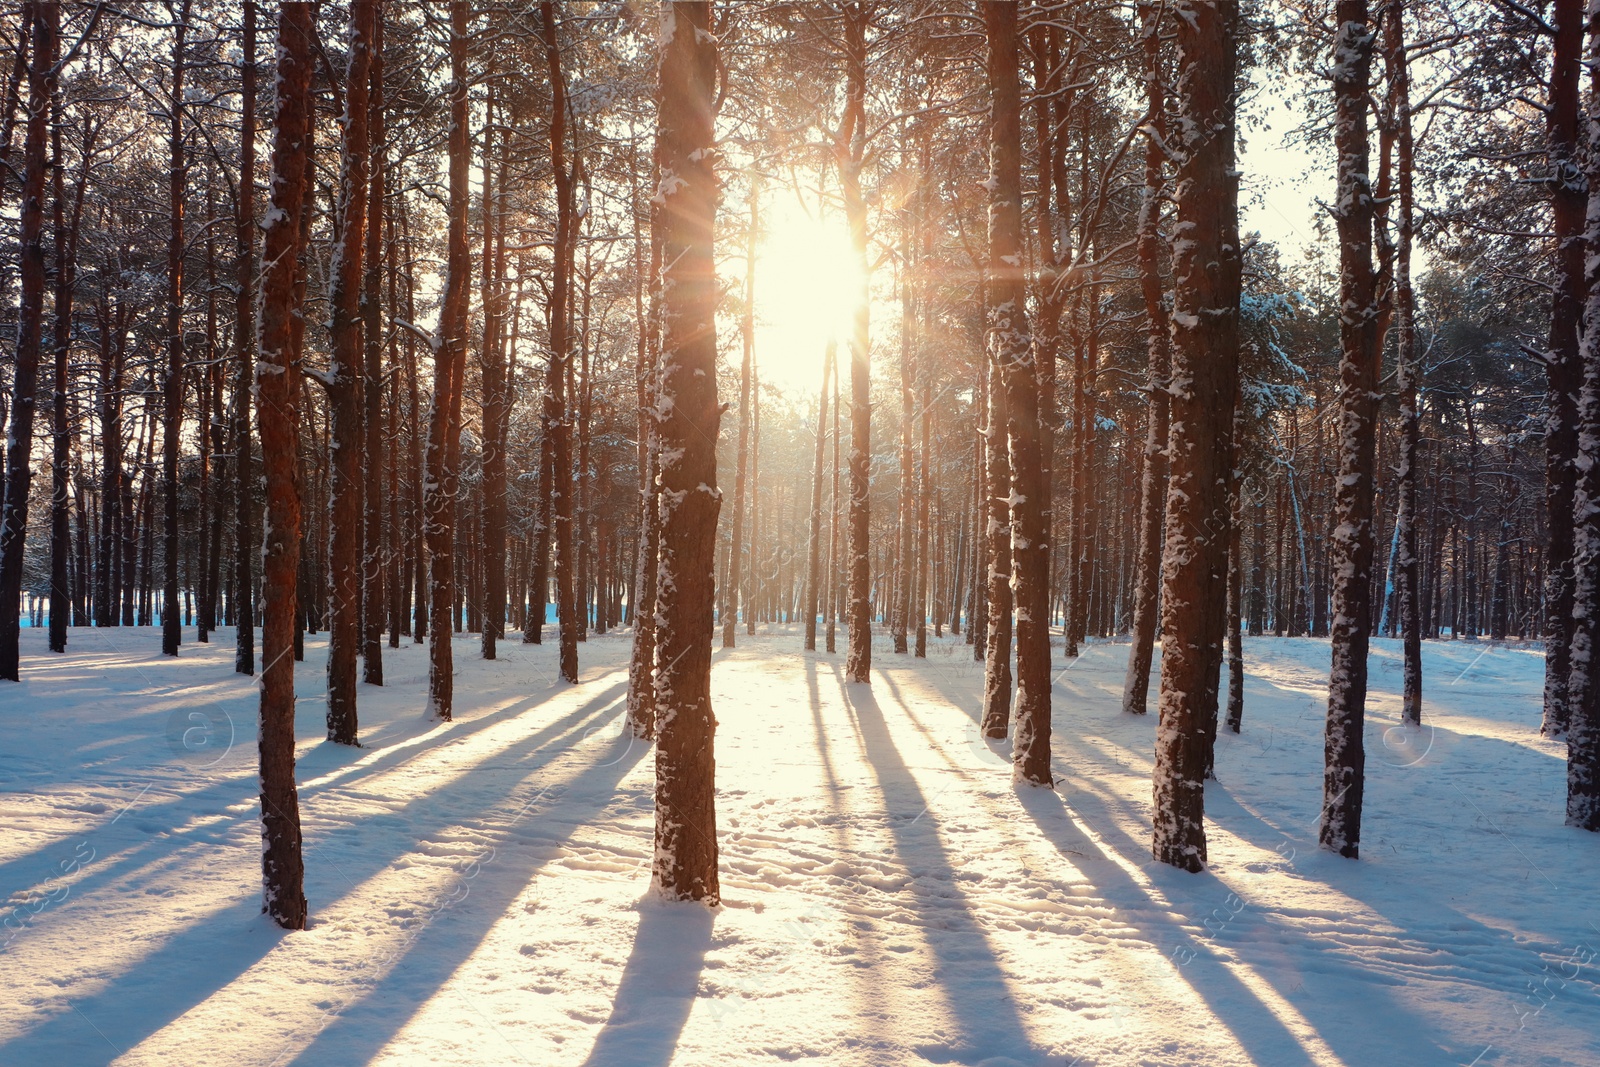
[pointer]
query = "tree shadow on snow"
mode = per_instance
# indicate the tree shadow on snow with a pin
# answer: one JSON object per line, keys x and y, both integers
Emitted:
{"x": 658, "y": 986}
{"x": 224, "y": 944}
{"x": 1203, "y": 963}
{"x": 976, "y": 987}
{"x": 361, "y": 1028}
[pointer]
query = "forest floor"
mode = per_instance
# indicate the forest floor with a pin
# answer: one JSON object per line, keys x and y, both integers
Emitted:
{"x": 479, "y": 889}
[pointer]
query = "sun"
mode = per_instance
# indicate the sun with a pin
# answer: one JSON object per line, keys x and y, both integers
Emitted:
{"x": 807, "y": 282}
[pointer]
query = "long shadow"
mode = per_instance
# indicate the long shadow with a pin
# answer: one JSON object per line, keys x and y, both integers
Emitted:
{"x": 976, "y": 987}
{"x": 658, "y": 986}
{"x": 359, "y": 1032}
{"x": 154, "y": 819}
{"x": 139, "y": 1002}
{"x": 1251, "y": 1022}
{"x": 869, "y": 951}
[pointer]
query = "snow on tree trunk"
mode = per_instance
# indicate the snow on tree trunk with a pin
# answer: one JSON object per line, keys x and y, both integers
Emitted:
{"x": 66, "y": 251}
{"x": 997, "y": 680}
{"x": 1158, "y": 343}
{"x": 277, "y": 395}
{"x": 44, "y": 19}
{"x": 440, "y": 477}
{"x": 346, "y": 383}
{"x": 561, "y": 495}
{"x": 850, "y": 148}
{"x": 172, "y": 387}
{"x": 1562, "y": 363}
{"x": 1406, "y": 370}
{"x": 496, "y": 401}
{"x": 1205, "y": 343}
{"x": 1352, "y": 551}
{"x": 376, "y": 589}
{"x": 688, "y": 420}
{"x": 647, "y": 309}
{"x": 1012, "y": 345}
{"x": 1583, "y": 684}
{"x": 244, "y": 336}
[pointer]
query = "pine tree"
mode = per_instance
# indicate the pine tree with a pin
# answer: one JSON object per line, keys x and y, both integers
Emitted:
{"x": 685, "y": 866}
{"x": 277, "y": 385}
{"x": 441, "y": 480}
{"x": 44, "y": 22}
{"x": 1205, "y": 344}
{"x": 1344, "y": 773}
{"x": 1563, "y": 368}
{"x": 1012, "y": 344}
{"x": 345, "y": 381}
{"x": 1158, "y": 344}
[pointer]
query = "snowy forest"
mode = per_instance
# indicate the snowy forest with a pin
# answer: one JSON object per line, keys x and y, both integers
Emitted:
{"x": 1048, "y": 533}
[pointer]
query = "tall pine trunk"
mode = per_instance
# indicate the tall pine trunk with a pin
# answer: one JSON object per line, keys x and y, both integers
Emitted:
{"x": 1562, "y": 364}
{"x": 814, "y": 561}
{"x": 850, "y": 152}
{"x": 244, "y": 338}
{"x": 1158, "y": 345}
{"x": 44, "y": 19}
{"x": 1013, "y": 354}
{"x": 734, "y": 570}
{"x": 1345, "y": 757}
{"x": 1583, "y": 684}
{"x": 345, "y": 381}
{"x": 66, "y": 251}
{"x": 373, "y": 569}
{"x": 561, "y": 494}
{"x": 1205, "y": 346}
{"x": 172, "y": 388}
{"x": 1407, "y": 372}
{"x": 441, "y": 476}
{"x": 277, "y": 385}
{"x": 647, "y": 309}
{"x": 685, "y": 865}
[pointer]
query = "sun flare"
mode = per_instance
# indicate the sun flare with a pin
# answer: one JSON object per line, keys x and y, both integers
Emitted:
{"x": 807, "y": 282}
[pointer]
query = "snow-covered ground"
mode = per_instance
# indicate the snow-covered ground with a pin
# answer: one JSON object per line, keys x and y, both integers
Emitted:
{"x": 478, "y": 890}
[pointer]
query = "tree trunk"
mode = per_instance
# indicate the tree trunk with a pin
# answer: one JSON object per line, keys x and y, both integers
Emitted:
{"x": 561, "y": 354}
{"x": 45, "y": 22}
{"x": 849, "y": 151}
{"x": 373, "y": 570}
{"x": 244, "y": 336}
{"x": 835, "y": 593}
{"x": 444, "y": 428}
{"x": 924, "y": 501}
{"x": 1343, "y": 777}
{"x": 1158, "y": 344}
{"x": 647, "y": 310}
{"x": 734, "y": 570}
{"x": 1583, "y": 685}
{"x": 1012, "y": 344}
{"x": 171, "y": 623}
{"x": 685, "y": 866}
{"x": 1234, "y": 623}
{"x": 345, "y": 381}
{"x": 1406, "y": 373}
{"x": 495, "y": 406}
{"x": 277, "y": 384}
{"x": 814, "y": 563}
{"x": 900, "y": 610}
{"x": 1564, "y": 369}
{"x": 1205, "y": 345}
{"x": 66, "y": 251}
{"x": 998, "y": 569}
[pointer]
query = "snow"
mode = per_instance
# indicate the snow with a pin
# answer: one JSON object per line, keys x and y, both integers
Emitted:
{"x": 479, "y": 890}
